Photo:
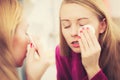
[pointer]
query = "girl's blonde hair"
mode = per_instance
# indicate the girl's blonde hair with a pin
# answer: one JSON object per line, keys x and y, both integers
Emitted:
{"x": 109, "y": 40}
{"x": 10, "y": 16}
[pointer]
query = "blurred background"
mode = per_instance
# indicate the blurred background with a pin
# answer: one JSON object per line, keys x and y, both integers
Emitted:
{"x": 43, "y": 20}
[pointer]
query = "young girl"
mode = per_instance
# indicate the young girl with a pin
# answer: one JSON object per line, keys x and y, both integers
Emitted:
{"x": 13, "y": 44}
{"x": 84, "y": 54}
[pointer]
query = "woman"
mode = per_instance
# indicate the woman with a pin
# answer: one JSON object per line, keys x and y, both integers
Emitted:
{"x": 13, "y": 44}
{"x": 82, "y": 54}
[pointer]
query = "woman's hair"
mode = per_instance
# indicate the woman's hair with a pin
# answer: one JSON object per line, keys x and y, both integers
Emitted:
{"x": 10, "y": 16}
{"x": 109, "y": 40}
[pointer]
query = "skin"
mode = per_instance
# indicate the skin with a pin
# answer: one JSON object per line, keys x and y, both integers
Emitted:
{"x": 73, "y": 17}
{"x": 23, "y": 49}
{"x": 20, "y": 43}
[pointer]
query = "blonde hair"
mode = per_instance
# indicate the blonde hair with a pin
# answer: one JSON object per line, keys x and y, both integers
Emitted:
{"x": 109, "y": 40}
{"x": 10, "y": 16}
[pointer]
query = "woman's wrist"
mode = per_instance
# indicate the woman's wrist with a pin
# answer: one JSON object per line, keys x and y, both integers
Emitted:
{"x": 91, "y": 72}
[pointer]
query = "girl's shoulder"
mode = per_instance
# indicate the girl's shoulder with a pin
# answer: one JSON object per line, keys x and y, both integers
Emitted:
{"x": 57, "y": 49}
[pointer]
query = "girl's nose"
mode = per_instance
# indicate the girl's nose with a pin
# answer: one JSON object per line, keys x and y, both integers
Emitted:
{"x": 74, "y": 31}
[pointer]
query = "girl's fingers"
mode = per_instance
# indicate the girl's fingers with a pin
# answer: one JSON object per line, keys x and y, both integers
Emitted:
{"x": 93, "y": 39}
{"x": 83, "y": 40}
{"x": 88, "y": 39}
{"x": 81, "y": 45}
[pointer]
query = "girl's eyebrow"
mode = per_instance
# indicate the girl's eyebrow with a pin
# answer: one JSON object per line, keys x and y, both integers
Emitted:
{"x": 72, "y": 19}
{"x": 82, "y": 18}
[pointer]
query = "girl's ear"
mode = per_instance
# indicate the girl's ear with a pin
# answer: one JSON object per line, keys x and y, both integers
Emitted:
{"x": 103, "y": 26}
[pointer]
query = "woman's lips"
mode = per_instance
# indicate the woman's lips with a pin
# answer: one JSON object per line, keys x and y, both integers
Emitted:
{"x": 75, "y": 44}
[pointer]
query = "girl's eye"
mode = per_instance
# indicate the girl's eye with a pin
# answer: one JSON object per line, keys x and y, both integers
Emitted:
{"x": 65, "y": 27}
{"x": 81, "y": 24}
{"x": 65, "y": 24}
{"x": 26, "y": 34}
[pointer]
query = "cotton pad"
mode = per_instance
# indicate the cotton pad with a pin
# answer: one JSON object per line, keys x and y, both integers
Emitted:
{"x": 90, "y": 27}
{"x": 87, "y": 26}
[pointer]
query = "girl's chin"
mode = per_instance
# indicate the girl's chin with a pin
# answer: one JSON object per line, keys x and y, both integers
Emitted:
{"x": 19, "y": 64}
{"x": 76, "y": 50}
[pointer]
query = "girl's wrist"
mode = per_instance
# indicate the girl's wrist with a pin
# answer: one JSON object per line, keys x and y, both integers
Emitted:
{"x": 91, "y": 72}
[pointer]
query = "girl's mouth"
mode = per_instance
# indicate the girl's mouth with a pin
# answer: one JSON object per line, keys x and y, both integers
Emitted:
{"x": 75, "y": 44}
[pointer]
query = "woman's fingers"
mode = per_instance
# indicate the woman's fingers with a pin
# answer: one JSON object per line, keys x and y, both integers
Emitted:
{"x": 81, "y": 45}
{"x": 88, "y": 39}
{"x": 88, "y": 42}
{"x": 83, "y": 40}
{"x": 30, "y": 53}
{"x": 38, "y": 46}
{"x": 94, "y": 39}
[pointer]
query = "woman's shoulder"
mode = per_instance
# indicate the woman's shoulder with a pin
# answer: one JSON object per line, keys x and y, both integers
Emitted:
{"x": 57, "y": 49}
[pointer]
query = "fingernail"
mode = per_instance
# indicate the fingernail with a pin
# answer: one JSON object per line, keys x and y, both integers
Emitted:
{"x": 87, "y": 28}
{"x": 31, "y": 45}
{"x": 81, "y": 31}
{"x": 83, "y": 28}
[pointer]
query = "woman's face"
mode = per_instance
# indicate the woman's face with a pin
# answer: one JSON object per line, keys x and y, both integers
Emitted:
{"x": 20, "y": 42}
{"x": 74, "y": 16}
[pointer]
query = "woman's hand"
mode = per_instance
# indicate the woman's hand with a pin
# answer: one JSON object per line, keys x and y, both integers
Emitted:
{"x": 36, "y": 61}
{"x": 90, "y": 51}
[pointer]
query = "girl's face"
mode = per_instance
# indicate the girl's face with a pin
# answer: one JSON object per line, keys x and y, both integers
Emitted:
{"x": 20, "y": 42}
{"x": 74, "y": 16}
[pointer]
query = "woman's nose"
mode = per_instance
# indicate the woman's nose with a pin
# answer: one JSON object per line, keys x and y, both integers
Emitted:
{"x": 74, "y": 31}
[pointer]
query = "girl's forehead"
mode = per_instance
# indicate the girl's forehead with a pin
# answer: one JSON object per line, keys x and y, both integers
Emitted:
{"x": 73, "y": 11}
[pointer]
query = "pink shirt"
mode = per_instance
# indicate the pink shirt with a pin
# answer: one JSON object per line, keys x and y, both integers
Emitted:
{"x": 71, "y": 68}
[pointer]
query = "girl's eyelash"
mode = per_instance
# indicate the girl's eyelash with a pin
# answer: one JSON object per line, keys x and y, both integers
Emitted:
{"x": 81, "y": 25}
{"x": 26, "y": 33}
{"x": 66, "y": 27}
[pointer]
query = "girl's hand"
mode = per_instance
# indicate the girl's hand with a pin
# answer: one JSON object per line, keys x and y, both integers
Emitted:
{"x": 36, "y": 61}
{"x": 90, "y": 51}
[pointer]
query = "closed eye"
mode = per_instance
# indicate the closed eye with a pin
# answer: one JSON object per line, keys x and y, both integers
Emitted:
{"x": 81, "y": 24}
{"x": 65, "y": 24}
{"x": 65, "y": 27}
{"x": 83, "y": 21}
